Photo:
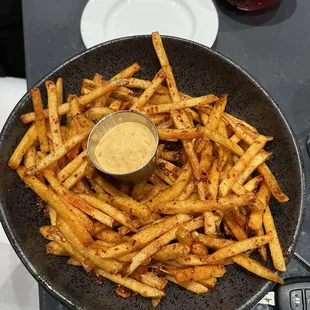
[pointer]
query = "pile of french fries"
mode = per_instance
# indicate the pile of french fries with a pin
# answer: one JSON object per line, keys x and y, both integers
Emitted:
{"x": 205, "y": 206}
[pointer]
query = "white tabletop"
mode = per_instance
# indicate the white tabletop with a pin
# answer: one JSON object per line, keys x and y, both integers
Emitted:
{"x": 18, "y": 289}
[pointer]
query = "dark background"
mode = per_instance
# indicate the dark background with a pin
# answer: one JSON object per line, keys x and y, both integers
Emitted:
{"x": 12, "y": 61}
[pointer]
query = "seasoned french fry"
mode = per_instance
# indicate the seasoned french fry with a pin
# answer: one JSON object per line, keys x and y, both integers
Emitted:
{"x": 39, "y": 119}
{"x": 30, "y": 157}
{"x": 134, "y": 285}
{"x": 227, "y": 143}
{"x": 274, "y": 244}
{"x": 258, "y": 160}
{"x": 200, "y": 273}
{"x": 102, "y": 90}
{"x": 44, "y": 231}
{"x": 176, "y": 189}
{"x": 207, "y": 205}
{"x": 72, "y": 166}
{"x": 158, "y": 79}
{"x": 57, "y": 204}
{"x": 77, "y": 175}
{"x": 146, "y": 235}
{"x": 170, "y": 134}
{"x": 244, "y": 160}
{"x": 77, "y": 201}
{"x": 96, "y": 113}
{"x": 55, "y": 249}
{"x": 141, "y": 274}
{"x": 255, "y": 267}
{"x": 238, "y": 247}
{"x": 184, "y": 236}
{"x": 53, "y": 114}
{"x": 119, "y": 216}
{"x": 153, "y": 247}
{"x": 130, "y": 206}
{"x": 57, "y": 154}
{"x": 209, "y": 283}
{"x": 191, "y": 286}
{"x": 188, "y": 103}
{"x": 199, "y": 248}
{"x": 171, "y": 251}
{"x": 272, "y": 183}
{"x": 110, "y": 236}
{"x": 26, "y": 142}
{"x": 109, "y": 265}
{"x": 213, "y": 242}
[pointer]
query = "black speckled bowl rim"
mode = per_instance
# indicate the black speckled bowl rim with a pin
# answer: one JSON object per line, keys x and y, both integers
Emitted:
{"x": 62, "y": 297}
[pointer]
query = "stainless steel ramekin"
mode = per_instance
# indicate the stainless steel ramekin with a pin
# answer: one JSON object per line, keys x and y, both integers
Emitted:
{"x": 107, "y": 123}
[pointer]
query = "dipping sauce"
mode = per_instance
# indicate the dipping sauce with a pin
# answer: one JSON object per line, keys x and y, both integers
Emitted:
{"x": 125, "y": 148}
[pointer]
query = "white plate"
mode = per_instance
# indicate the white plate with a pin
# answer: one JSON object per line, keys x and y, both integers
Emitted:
{"x": 103, "y": 20}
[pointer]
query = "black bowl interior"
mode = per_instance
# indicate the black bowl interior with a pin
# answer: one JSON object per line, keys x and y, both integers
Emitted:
{"x": 198, "y": 71}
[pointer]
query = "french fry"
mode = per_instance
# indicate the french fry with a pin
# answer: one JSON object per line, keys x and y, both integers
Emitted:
{"x": 102, "y": 90}
{"x": 274, "y": 244}
{"x": 145, "y": 235}
{"x": 225, "y": 142}
{"x": 109, "y": 265}
{"x": 59, "y": 91}
{"x": 134, "y": 285}
{"x": 187, "y": 191}
{"x": 153, "y": 247}
{"x": 209, "y": 283}
{"x": 158, "y": 79}
{"x": 128, "y": 72}
{"x": 96, "y": 113}
{"x": 170, "y": 134}
{"x": 143, "y": 275}
{"x": 184, "y": 236}
{"x": 110, "y": 236}
{"x": 39, "y": 119}
{"x": 213, "y": 242}
{"x": 258, "y": 160}
{"x": 57, "y": 154}
{"x": 55, "y": 249}
{"x": 189, "y": 103}
{"x": 77, "y": 175}
{"x": 119, "y": 216}
{"x": 144, "y": 84}
{"x": 199, "y": 273}
{"x": 238, "y": 247}
{"x": 199, "y": 248}
{"x": 53, "y": 114}
{"x": 130, "y": 206}
{"x": 234, "y": 226}
{"x": 207, "y": 205}
{"x": 272, "y": 183}
{"x": 171, "y": 251}
{"x": 255, "y": 267}
{"x": 57, "y": 204}
{"x": 77, "y": 201}
{"x": 26, "y": 142}
{"x": 30, "y": 157}
{"x": 44, "y": 231}
{"x": 72, "y": 166}
{"x": 244, "y": 160}
{"x": 256, "y": 218}
{"x": 191, "y": 286}
{"x": 176, "y": 189}
{"x": 60, "y": 239}
{"x": 53, "y": 215}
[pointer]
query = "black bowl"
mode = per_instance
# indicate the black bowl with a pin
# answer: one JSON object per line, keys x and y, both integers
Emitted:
{"x": 198, "y": 70}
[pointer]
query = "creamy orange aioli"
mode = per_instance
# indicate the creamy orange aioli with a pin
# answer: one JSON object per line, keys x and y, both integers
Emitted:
{"x": 125, "y": 148}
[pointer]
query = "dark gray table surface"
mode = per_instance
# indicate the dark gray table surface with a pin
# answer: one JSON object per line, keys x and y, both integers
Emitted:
{"x": 273, "y": 46}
